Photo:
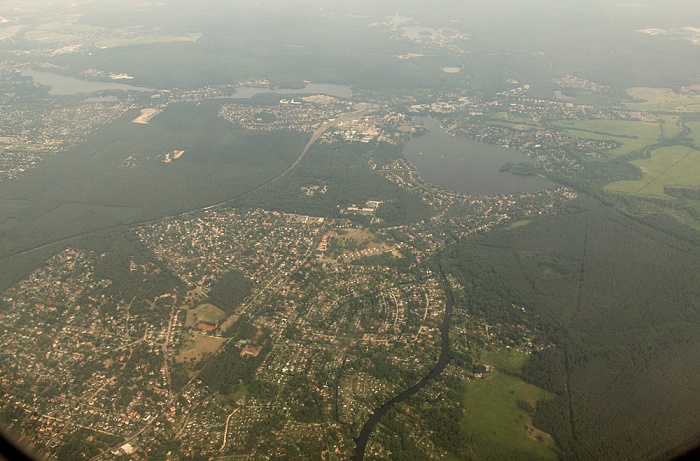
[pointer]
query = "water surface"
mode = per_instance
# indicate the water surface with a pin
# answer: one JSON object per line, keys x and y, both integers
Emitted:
{"x": 338, "y": 91}
{"x": 61, "y": 85}
{"x": 464, "y": 165}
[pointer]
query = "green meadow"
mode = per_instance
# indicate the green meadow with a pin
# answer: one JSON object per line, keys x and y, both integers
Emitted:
{"x": 667, "y": 166}
{"x": 662, "y": 99}
{"x": 499, "y": 410}
{"x": 632, "y": 135}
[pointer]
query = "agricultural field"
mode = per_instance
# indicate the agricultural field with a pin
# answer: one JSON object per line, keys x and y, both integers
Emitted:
{"x": 671, "y": 125}
{"x": 662, "y": 99}
{"x": 59, "y": 32}
{"x": 667, "y": 166}
{"x": 498, "y": 413}
{"x": 632, "y": 135}
{"x": 694, "y": 131}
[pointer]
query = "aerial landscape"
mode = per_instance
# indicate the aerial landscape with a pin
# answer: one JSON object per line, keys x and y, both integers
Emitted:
{"x": 362, "y": 230}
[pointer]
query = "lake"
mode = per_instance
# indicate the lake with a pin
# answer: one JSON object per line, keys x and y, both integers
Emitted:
{"x": 338, "y": 91}
{"x": 464, "y": 165}
{"x": 62, "y": 85}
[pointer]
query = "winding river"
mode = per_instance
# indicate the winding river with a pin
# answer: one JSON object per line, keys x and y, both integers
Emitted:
{"x": 443, "y": 360}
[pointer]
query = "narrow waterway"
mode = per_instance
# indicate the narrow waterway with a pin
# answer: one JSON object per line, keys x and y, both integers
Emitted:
{"x": 443, "y": 360}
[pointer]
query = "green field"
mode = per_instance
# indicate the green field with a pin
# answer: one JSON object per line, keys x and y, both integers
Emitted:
{"x": 208, "y": 313}
{"x": 667, "y": 166}
{"x": 518, "y": 123}
{"x": 497, "y": 421}
{"x": 670, "y": 125}
{"x": 508, "y": 360}
{"x": 521, "y": 223}
{"x": 633, "y": 135}
{"x": 694, "y": 131}
{"x": 662, "y": 99}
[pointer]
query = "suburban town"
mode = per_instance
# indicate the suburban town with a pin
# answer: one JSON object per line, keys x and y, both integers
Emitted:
{"x": 250, "y": 333}
{"x": 343, "y": 307}
{"x": 130, "y": 375}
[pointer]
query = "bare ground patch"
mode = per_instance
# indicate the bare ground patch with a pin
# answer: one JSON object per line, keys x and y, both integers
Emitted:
{"x": 196, "y": 346}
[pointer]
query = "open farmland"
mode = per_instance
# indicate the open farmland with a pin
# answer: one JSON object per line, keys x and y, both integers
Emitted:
{"x": 667, "y": 166}
{"x": 499, "y": 419}
{"x": 695, "y": 131}
{"x": 632, "y": 135}
{"x": 662, "y": 99}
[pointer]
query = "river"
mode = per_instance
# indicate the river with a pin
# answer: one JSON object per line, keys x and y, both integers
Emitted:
{"x": 443, "y": 360}
{"x": 463, "y": 165}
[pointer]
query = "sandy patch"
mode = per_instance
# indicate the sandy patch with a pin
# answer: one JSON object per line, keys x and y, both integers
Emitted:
{"x": 8, "y": 32}
{"x": 147, "y": 115}
{"x": 451, "y": 70}
{"x": 410, "y": 55}
{"x": 198, "y": 346}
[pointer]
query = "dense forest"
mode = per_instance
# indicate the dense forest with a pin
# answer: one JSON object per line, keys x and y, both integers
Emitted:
{"x": 229, "y": 290}
{"x": 347, "y": 172}
{"x": 229, "y": 369}
{"x": 621, "y": 303}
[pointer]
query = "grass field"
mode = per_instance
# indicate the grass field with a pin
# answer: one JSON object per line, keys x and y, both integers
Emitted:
{"x": 662, "y": 99}
{"x": 228, "y": 322}
{"x": 495, "y": 423}
{"x": 671, "y": 125}
{"x": 694, "y": 131}
{"x": 208, "y": 313}
{"x": 518, "y": 123}
{"x": 508, "y": 360}
{"x": 356, "y": 239}
{"x": 676, "y": 165}
{"x": 197, "y": 346}
{"x": 633, "y": 135}
{"x": 521, "y": 223}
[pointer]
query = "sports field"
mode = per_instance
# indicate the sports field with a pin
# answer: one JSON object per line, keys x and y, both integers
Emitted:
{"x": 208, "y": 313}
